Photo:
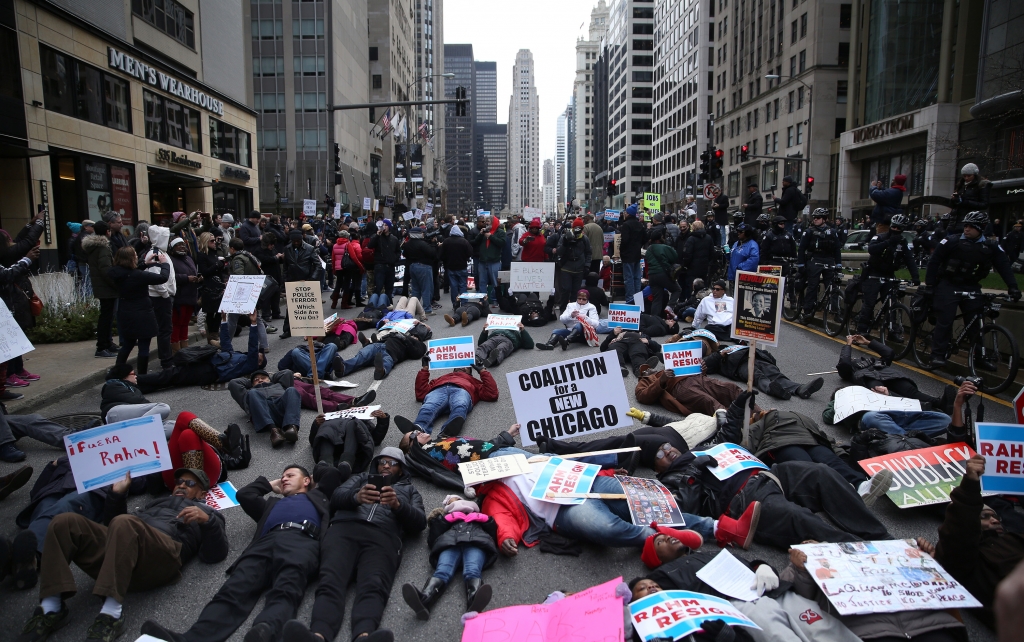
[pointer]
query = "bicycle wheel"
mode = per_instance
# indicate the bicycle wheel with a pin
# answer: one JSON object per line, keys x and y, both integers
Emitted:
{"x": 833, "y": 315}
{"x": 791, "y": 305}
{"x": 897, "y": 330}
{"x": 852, "y": 312}
{"x": 994, "y": 358}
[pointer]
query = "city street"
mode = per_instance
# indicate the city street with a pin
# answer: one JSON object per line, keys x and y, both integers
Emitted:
{"x": 527, "y": 578}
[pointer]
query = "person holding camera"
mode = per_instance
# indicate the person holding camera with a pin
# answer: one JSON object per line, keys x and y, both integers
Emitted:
{"x": 386, "y": 252}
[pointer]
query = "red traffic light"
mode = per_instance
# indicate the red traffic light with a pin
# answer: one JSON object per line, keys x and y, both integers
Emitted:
{"x": 719, "y": 153}
{"x": 613, "y": 182}
{"x": 810, "y": 180}
{"x": 744, "y": 149}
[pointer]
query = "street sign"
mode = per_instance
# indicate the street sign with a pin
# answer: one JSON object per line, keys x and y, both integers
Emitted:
{"x": 1018, "y": 406}
{"x": 711, "y": 191}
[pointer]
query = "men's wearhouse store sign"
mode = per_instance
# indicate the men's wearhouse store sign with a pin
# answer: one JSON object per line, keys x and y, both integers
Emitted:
{"x": 157, "y": 78}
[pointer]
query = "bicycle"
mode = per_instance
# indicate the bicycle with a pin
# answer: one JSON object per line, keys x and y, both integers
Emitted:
{"x": 992, "y": 353}
{"x": 791, "y": 294}
{"x": 832, "y": 301}
{"x": 893, "y": 319}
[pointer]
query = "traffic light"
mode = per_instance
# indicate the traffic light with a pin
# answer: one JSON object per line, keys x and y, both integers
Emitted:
{"x": 460, "y": 95}
{"x": 705, "y": 167}
{"x": 716, "y": 165}
{"x": 329, "y": 202}
{"x": 337, "y": 158}
{"x": 613, "y": 187}
{"x": 810, "y": 186}
{"x": 744, "y": 153}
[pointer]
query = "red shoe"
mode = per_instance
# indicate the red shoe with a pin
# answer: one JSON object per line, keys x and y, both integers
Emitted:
{"x": 13, "y": 381}
{"x": 739, "y": 532}
{"x": 25, "y": 375}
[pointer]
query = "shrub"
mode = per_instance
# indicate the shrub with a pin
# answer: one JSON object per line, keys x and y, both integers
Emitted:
{"x": 69, "y": 314}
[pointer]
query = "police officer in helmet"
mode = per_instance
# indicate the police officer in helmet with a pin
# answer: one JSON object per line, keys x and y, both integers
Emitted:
{"x": 887, "y": 250}
{"x": 763, "y": 222}
{"x": 777, "y": 245}
{"x": 959, "y": 263}
{"x": 820, "y": 253}
{"x": 713, "y": 229}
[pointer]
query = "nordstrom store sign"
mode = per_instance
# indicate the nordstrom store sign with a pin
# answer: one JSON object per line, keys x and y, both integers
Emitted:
{"x": 157, "y": 78}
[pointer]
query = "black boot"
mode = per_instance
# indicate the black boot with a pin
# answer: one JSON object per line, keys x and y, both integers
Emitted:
{"x": 422, "y": 601}
{"x": 478, "y": 594}
{"x": 142, "y": 365}
{"x": 573, "y": 335}
{"x": 550, "y": 343}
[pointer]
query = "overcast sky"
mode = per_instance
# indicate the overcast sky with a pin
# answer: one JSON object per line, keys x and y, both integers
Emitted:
{"x": 498, "y": 29}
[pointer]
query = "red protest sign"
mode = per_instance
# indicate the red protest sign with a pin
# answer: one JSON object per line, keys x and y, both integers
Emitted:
{"x": 924, "y": 476}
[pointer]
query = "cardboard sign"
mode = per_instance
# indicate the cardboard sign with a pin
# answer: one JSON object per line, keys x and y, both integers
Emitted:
{"x": 408, "y": 215}
{"x": 624, "y": 316}
{"x": 774, "y": 270}
{"x": 1002, "y": 446}
{"x": 854, "y": 399}
{"x": 367, "y": 203}
{"x": 577, "y": 397}
{"x": 485, "y": 470}
{"x": 649, "y": 501}
{"x": 612, "y": 215}
{"x": 241, "y": 293}
{"x": 309, "y": 207}
{"x": 882, "y": 577}
{"x": 561, "y": 476}
{"x": 683, "y": 358}
{"x": 676, "y": 614}
{"x": 924, "y": 476}
{"x": 652, "y": 202}
{"x": 13, "y": 342}
{"x": 305, "y": 310}
{"x": 222, "y": 496}
{"x": 758, "y": 314}
{"x": 453, "y": 352}
{"x": 732, "y": 459}
{"x": 337, "y": 211}
{"x": 359, "y": 412}
{"x": 101, "y": 456}
{"x": 531, "y": 277}
{"x": 508, "y": 321}
{"x": 401, "y": 325}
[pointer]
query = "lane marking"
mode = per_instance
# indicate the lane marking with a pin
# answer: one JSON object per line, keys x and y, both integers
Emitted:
{"x": 374, "y": 385}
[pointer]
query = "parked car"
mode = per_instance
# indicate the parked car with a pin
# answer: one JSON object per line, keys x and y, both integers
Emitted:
{"x": 857, "y": 241}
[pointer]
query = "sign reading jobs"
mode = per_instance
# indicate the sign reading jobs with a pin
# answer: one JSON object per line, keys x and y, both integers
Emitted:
{"x": 569, "y": 398}
{"x": 305, "y": 311}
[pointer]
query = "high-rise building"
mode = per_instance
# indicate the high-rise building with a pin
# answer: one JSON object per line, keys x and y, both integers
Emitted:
{"x": 491, "y": 161}
{"x": 458, "y": 132}
{"x": 570, "y": 151}
{"x": 429, "y": 85}
{"x": 485, "y": 105}
{"x": 523, "y": 137}
{"x": 587, "y": 52}
{"x": 561, "y": 135}
{"x": 548, "y": 187}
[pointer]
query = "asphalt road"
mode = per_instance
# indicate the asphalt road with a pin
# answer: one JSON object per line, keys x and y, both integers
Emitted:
{"x": 525, "y": 579}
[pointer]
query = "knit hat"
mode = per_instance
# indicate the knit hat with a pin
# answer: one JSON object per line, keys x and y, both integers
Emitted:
{"x": 584, "y": 292}
{"x": 416, "y": 232}
{"x": 177, "y": 216}
{"x": 652, "y": 441}
{"x": 227, "y": 218}
{"x": 388, "y": 222}
{"x": 456, "y": 231}
{"x": 787, "y": 179}
{"x": 74, "y": 227}
{"x": 632, "y": 210}
{"x": 535, "y": 223}
{"x": 649, "y": 556}
{"x": 969, "y": 168}
{"x": 295, "y": 234}
{"x": 899, "y": 179}
{"x": 577, "y": 222}
{"x": 254, "y": 214}
{"x": 393, "y": 453}
{"x": 175, "y": 241}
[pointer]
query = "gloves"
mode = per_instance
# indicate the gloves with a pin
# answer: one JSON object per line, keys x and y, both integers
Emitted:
{"x": 1015, "y": 295}
{"x": 622, "y": 591}
{"x": 425, "y": 361}
{"x": 705, "y": 461}
{"x": 765, "y": 579}
{"x": 635, "y": 413}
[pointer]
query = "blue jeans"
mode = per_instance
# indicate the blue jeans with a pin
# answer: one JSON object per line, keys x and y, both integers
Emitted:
{"x": 564, "y": 332}
{"x": 362, "y": 287}
{"x": 421, "y": 281}
{"x": 447, "y": 398}
{"x": 283, "y": 411}
{"x": 471, "y": 558}
{"x": 365, "y": 357}
{"x": 324, "y": 360}
{"x": 88, "y": 505}
{"x": 608, "y": 522}
{"x": 631, "y": 275}
{"x": 489, "y": 279}
{"x": 457, "y": 285}
{"x": 896, "y": 422}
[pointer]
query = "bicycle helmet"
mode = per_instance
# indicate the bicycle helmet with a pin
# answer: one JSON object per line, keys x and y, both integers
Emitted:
{"x": 737, "y": 216}
{"x": 821, "y": 211}
{"x": 709, "y": 214}
{"x": 921, "y": 223}
{"x": 899, "y": 221}
{"x": 764, "y": 218}
{"x": 944, "y": 217}
{"x": 977, "y": 219}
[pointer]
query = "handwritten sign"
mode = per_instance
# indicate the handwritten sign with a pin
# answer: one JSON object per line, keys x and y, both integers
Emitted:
{"x": 683, "y": 358}
{"x": 609, "y": 237}
{"x": 624, "y": 316}
{"x": 854, "y": 399}
{"x": 309, "y": 207}
{"x": 676, "y": 614}
{"x": 649, "y": 501}
{"x": 241, "y": 293}
{"x": 561, "y": 476}
{"x": 367, "y": 203}
{"x": 1002, "y": 445}
{"x": 222, "y": 496}
{"x": 359, "y": 412}
{"x": 652, "y": 202}
{"x": 103, "y": 455}
{"x": 508, "y": 321}
{"x": 452, "y": 352}
{"x": 531, "y": 277}
{"x": 923, "y": 476}
{"x": 532, "y": 212}
{"x": 485, "y": 470}
{"x": 408, "y": 215}
{"x": 305, "y": 310}
{"x": 732, "y": 459}
{"x": 13, "y": 342}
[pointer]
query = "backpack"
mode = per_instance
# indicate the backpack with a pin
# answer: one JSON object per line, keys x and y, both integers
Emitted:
{"x": 875, "y": 443}
{"x": 194, "y": 354}
{"x": 347, "y": 262}
{"x": 802, "y": 202}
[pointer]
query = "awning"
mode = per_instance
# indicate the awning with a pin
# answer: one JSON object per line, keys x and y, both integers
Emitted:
{"x": 8, "y": 150}
{"x": 163, "y": 178}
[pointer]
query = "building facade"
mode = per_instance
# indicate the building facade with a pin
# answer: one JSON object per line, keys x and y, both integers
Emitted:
{"x": 561, "y": 135}
{"x": 491, "y": 162}
{"x": 429, "y": 85}
{"x": 458, "y": 132}
{"x": 585, "y": 120}
{"x": 523, "y": 137}
{"x": 547, "y": 187}
{"x": 570, "y": 151}
{"x": 485, "y": 81}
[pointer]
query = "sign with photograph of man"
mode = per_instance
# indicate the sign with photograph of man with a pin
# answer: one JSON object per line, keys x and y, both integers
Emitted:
{"x": 758, "y": 307}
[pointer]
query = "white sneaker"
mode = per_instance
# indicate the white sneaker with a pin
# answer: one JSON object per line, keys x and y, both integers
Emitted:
{"x": 871, "y": 489}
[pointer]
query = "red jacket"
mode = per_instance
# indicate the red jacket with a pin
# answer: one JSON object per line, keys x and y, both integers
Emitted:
{"x": 354, "y": 250}
{"x": 483, "y": 388}
{"x": 533, "y": 252}
{"x": 509, "y": 515}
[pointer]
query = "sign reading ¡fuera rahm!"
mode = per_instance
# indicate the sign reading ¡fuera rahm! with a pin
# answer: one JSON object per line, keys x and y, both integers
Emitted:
{"x": 157, "y": 78}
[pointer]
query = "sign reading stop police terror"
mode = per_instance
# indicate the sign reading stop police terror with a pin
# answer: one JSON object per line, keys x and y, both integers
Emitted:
{"x": 683, "y": 358}
{"x": 454, "y": 352}
{"x": 305, "y": 310}
{"x": 573, "y": 398}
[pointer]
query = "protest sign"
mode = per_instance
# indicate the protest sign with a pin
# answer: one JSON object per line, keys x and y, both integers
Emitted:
{"x": 305, "y": 310}
{"x": 561, "y": 476}
{"x": 389, "y": 201}
{"x": 624, "y": 316}
{"x": 882, "y": 577}
{"x": 241, "y": 293}
{"x": 676, "y": 614}
{"x": 366, "y": 203}
{"x": 612, "y": 215}
{"x": 731, "y": 459}
{"x": 309, "y": 207}
{"x": 359, "y": 412}
{"x": 683, "y": 358}
{"x": 471, "y": 282}
{"x": 13, "y": 342}
{"x": 854, "y": 399}
{"x": 221, "y": 496}
{"x": 774, "y": 270}
{"x": 1002, "y": 445}
{"x": 729, "y": 576}
{"x": 531, "y": 277}
{"x": 472, "y": 296}
{"x": 923, "y": 476}
{"x": 530, "y": 213}
{"x": 575, "y": 397}
{"x": 452, "y": 352}
{"x": 330, "y": 321}
{"x": 101, "y": 456}
{"x": 510, "y": 321}
{"x": 758, "y": 300}
{"x": 649, "y": 501}
{"x": 609, "y": 237}
{"x": 401, "y": 325}
{"x": 337, "y": 211}
{"x": 485, "y": 470}
{"x": 652, "y": 202}
{"x": 408, "y": 215}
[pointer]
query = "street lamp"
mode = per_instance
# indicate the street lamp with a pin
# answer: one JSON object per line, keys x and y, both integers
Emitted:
{"x": 809, "y": 107}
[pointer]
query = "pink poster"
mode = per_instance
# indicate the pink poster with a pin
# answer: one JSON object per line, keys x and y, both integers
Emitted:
{"x": 121, "y": 191}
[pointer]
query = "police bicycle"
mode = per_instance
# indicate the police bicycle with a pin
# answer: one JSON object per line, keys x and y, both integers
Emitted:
{"x": 892, "y": 322}
{"x": 992, "y": 353}
{"x": 791, "y": 294}
{"x": 832, "y": 301}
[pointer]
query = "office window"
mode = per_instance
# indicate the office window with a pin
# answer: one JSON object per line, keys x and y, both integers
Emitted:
{"x": 791, "y": 102}
{"x": 800, "y": 98}
{"x": 775, "y": 142}
{"x": 639, "y": 61}
{"x": 799, "y": 133}
{"x": 308, "y": 65}
{"x": 229, "y": 143}
{"x": 76, "y": 89}
{"x": 171, "y": 122}
{"x": 643, "y": 45}
{"x": 307, "y": 29}
{"x": 803, "y": 26}
{"x": 768, "y": 144}
{"x": 268, "y": 66}
{"x": 803, "y": 60}
{"x": 769, "y": 175}
{"x": 845, "y": 15}
{"x": 267, "y": 29}
{"x": 643, "y": 76}
{"x": 792, "y": 65}
{"x": 377, "y": 81}
{"x": 373, "y": 54}
{"x": 841, "y": 91}
{"x": 844, "y": 54}
{"x": 792, "y": 32}
{"x": 768, "y": 112}
{"x": 168, "y": 16}
{"x": 789, "y": 136}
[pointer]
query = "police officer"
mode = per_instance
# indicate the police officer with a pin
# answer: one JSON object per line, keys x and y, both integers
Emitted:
{"x": 777, "y": 245}
{"x": 820, "y": 253}
{"x": 958, "y": 264}
{"x": 762, "y": 223}
{"x": 713, "y": 229}
{"x": 737, "y": 220}
{"x": 887, "y": 250}
{"x": 922, "y": 241}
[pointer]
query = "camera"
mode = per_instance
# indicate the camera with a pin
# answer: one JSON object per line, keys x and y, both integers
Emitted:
{"x": 959, "y": 381}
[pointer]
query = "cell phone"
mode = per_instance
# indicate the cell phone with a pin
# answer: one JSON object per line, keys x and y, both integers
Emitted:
{"x": 377, "y": 480}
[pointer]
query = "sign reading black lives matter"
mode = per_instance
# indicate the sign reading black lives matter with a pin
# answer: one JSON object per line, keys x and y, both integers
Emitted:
{"x": 569, "y": 399}
{"x": 758, "y": 307}
{"x": 305, "y": 311}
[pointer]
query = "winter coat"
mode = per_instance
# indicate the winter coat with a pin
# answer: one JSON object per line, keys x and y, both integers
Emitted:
{"x": 633, "y": 238}
{"x": 681, "y": 574}
{"x": 519, "y": 338}
{"x": 409, "y": 518}
{"x": 240, "y": 387}
{"x": 743, "y": 257}
{"x": 186, "y": 292}
{"x": 118, "y": 392}
{"x": 574, "y": 254}
{"x": 482, "y": 389}
{"x": 654, "y": 326}
{"x": 352, "y": 248}
{"x": 252, "y": 498}
{"x": 781, "y": 428}
{"x": 368, "y": 433}
{"x": 386, "y": 249}
{"x": 301, "y": 263}
{"x": 753, "y": 205}
{"x": 595, "y": 234}
{"x": 660, "y": 259}
{"x": 419, "y": 251}
{"x": 790, "y": 204}
{"x": 443, "y": 534}
{"x": 22, "y": 243}
{"x": 134, "y": 309}
{"x": 455, "y": 253}
{"x": 587, "y": 314}
{"x": 490, "y": 248}
{"x": 888, "y": 203}
{"x": 245, "y": 264}
{"x": 971, "y": 197}
{"x": 533, "y": 248}
{"x": 159, "y": 237}
{"x": 696, "y": 255}
{"x": 208, "y": 541}
{"x": 421, "y": 464}
{"x": 864, "y": 370}
{"x": 100, "y": 257}
{"x": 269, "y": 263}
{"x": 250, "y": 234}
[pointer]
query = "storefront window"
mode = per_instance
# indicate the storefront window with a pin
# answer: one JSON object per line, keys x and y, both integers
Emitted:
{"x": 911, "y": 164}
{"x": 230, "y": 144}
{"x": 172, "y": 123}
{"x": 76, "y": 89}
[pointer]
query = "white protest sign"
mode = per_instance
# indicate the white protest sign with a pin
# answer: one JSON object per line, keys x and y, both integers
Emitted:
{"x": 402, "y": 325}
{"x": 309, "y": 207}
{"x": 367, "y": 202}
{"x": 638, "y": 299}
{"x": 222, "y": 496}
{"x": 729, "y": 576}
{"x": 564, "y": 476}
{"x": 419, "y": 213}
{"x": 408, "y": 215}
{"x": 676, "y": 614}
{"x": 731, "y": 459}
{"x": 511, "y": 321}
{"x": 101, "y": 456}
{"x": 376, "y": 204}
{"x": 359, "y": 412}
{"x": 532, "y": 212}
{"x": 570, "y": 398}
{"x": 241, "y": 293}
{"x": 485, "y": 470}
{"x": 531, "y": 277}
{"x": 337, "y": 211}
{"x": 683, "y": 358}
{"x": 624, "y": 316}
{"x": 13, "y": 342}
{"x": 472, "y": 296}
{"x": 853, "y": 399}
{"x": 452, "y": 352}
{"x": 882, "y": 577}
{"x": 305, "y": 310}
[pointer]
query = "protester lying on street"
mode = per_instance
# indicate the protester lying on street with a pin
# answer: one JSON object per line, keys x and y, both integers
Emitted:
{"x": 138, "y": 552}
{"x": 577, "y": 314}
{"x": 438, "y": 461}
{"x": 205, "y": 365}
{"x": 934, "y": 425}
{"x": 535, "y": 313}
{"x": 388, "y": 348}
{"x": 372, "y": 511}
{"x": 656, "y": 326}
{"x": 332, "y": 401}
{"x": 732, "y": 361}
{"x": 711, "y": 629}
{"x": 454, "y": 393}
{"x": 873, "y": 373}
{"x": 684, "y": 395}
{"x": 412, "y": 307}
{"x": 346, "y": 443}
{"x": 271, "y": 402}
{"x": 910, "y": 625}
{"x": 495, "y": 345}
{"x": 280, "y": 559}
{"x": 297, "y": 359}
{"x": 471, "y": 307}
{"x": 342, "y": 333}
{"x": 634, "y": 349}
{"x": 715, "y": 312}
{"x": 121, "y": 399}
{"x": 14, "y": 427}
{"x": 193, "y": 443}
{"x": 458, "y": 534}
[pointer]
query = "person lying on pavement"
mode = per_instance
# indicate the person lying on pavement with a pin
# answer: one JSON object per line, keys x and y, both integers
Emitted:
{"x": 346, "y": 443}
{"x": 633, "y": 348}
{"x": 870, "y": 372}
{"x": 271, "y": 402}
{"x": 897, "y": 422}
{"x": 732, "y": 361}
{"x": 453, "y": 393}
{"x": 122, "y": 399}
{"x": 387, "y": 348}
{"x": 494, "y": 345}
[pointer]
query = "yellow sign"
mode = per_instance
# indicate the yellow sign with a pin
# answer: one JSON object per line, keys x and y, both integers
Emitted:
{"x": 652, "y": 201}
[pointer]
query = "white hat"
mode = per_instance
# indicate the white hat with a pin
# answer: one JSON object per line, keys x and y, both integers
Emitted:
{"x": 227, "y": 218}
{"x": 969, "y": 168}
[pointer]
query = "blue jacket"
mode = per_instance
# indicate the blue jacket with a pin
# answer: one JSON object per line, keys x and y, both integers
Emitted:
{"x": 888, "y": 202}
{"x": 743, "y": 257}
{"x": 231, "y": 364}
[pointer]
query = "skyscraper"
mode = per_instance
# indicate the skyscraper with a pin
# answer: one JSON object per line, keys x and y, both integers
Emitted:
{"x": 523, "y": 137}
{"x": 570, "y": 150}
{"x": 491, "y": 161}
{"x": 458, "y": 130}
{"x": 485, "y": 106}
{"x": 548, "y": 187}
{"x": 561, "y": 136}
{"x": 587, "y": 52}
{"x": 430, "y": 86}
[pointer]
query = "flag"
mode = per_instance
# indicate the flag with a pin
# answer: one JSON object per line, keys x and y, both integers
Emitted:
{"x": 423, "y": 131}
{"x": 385, "y": 121}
